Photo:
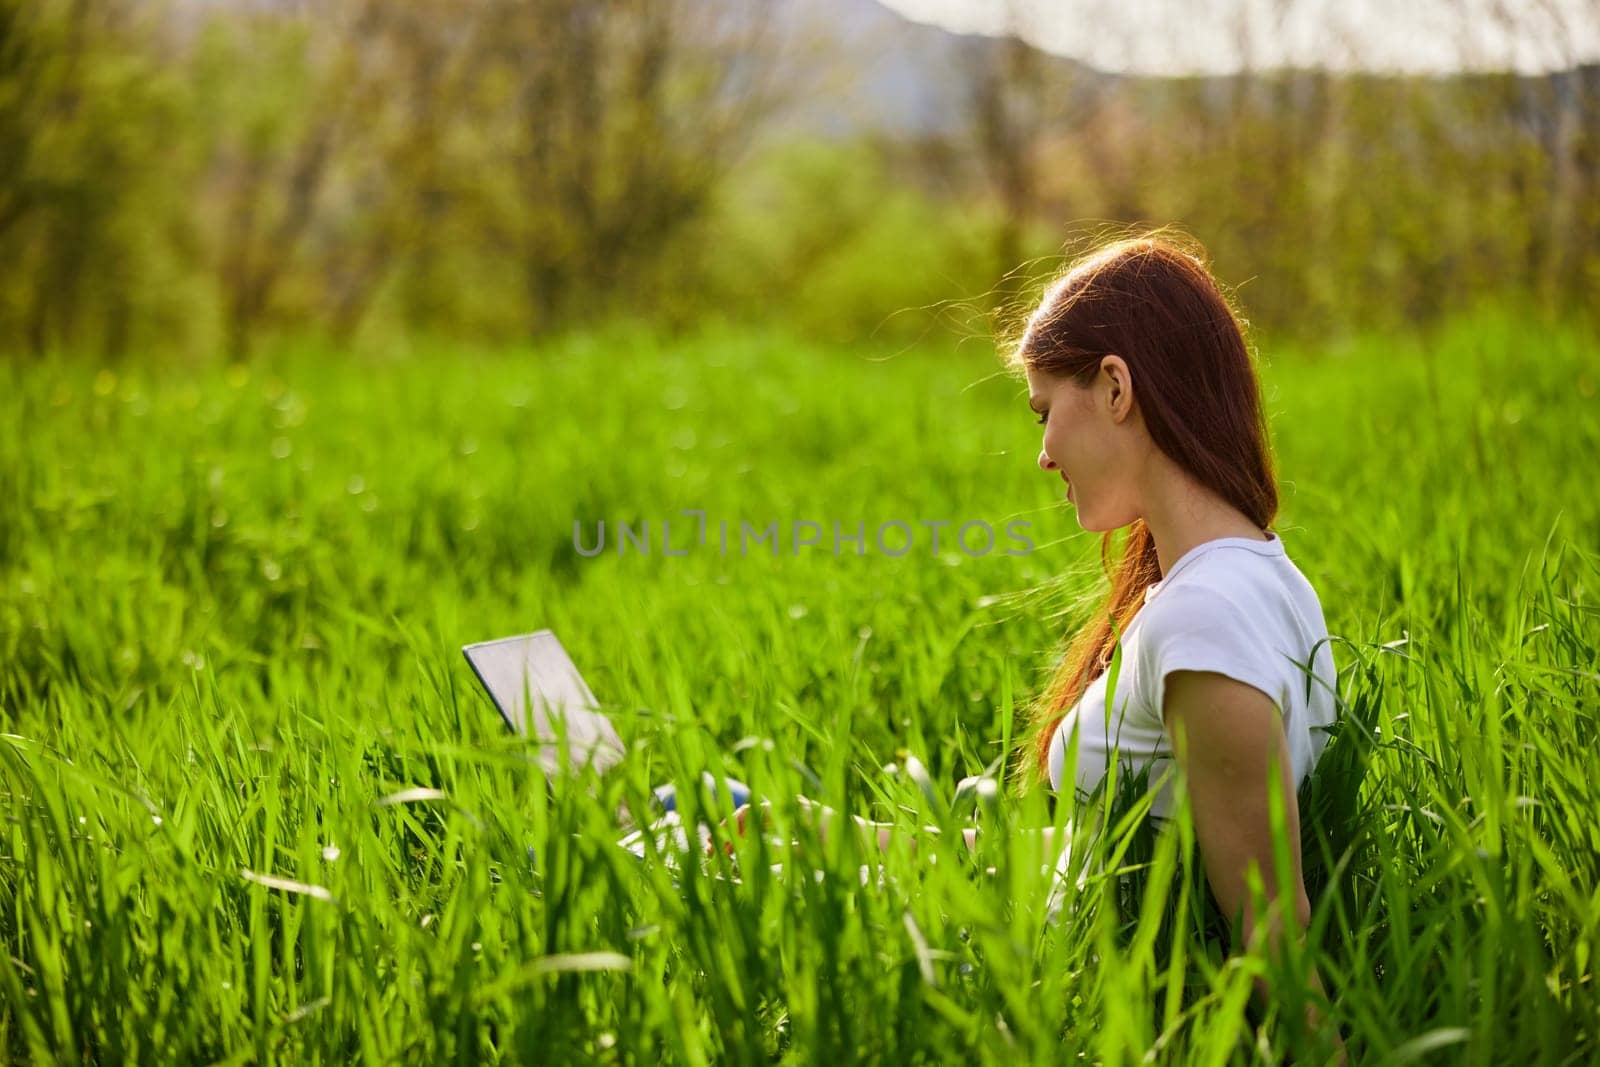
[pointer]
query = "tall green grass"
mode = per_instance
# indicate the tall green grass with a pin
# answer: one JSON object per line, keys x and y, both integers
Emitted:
{"x": 257, "y": 810}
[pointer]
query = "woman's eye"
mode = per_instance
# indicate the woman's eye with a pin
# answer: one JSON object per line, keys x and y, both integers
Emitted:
{"x": 1044, "y": 416}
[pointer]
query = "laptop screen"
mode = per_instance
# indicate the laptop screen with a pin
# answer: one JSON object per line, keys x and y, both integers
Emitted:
{"x": 535, "y": 685}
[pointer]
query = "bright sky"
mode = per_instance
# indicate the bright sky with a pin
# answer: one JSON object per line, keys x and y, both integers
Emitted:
{"x": 1221, "y": 36}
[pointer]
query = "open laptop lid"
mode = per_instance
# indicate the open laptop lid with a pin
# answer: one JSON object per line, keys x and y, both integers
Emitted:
{"x": 533, "y": 682}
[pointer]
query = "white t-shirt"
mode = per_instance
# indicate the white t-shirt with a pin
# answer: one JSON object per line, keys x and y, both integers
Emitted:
{"x": 1236, "y": 606}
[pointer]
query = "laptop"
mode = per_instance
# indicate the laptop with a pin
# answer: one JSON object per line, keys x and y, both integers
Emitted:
{"x": 537, "y": 689}
{"x": 539, "y": 692}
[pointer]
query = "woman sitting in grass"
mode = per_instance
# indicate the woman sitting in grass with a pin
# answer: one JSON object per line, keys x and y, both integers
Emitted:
{"x": 1151, "y": 412}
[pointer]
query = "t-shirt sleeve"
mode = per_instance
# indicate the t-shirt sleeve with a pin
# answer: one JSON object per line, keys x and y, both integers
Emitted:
{"x": 1196, "y": 629}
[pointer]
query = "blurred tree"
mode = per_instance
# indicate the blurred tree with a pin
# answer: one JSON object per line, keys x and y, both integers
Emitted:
{"x": 305, "y": 103}
{"x": 625, "y": 116}
{"x": 398, "y": 138}
{"x": 81, "y": 119}
{"x": 1013, "y": 94}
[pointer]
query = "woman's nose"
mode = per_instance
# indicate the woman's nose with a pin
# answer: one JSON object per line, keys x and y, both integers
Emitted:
{"x": 1045, "y": 462}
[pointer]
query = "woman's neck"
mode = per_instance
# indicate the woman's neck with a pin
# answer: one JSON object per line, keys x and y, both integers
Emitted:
{"x": 1182, "y": 514}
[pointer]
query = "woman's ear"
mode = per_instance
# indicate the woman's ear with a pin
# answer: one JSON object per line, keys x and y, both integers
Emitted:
{"x": 1119, "y": 381}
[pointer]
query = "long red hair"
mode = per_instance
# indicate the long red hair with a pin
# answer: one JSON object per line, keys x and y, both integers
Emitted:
{"x": 1153, "y": 301}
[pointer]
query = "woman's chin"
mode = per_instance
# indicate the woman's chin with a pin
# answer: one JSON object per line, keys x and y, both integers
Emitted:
{"x": 1092, "y": 523}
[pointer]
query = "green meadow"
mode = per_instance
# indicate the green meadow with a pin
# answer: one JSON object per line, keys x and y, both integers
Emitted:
{"x": 257, "y": 809}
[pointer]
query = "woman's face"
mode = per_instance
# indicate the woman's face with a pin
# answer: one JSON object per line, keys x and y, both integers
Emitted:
{"x": 1089, "y": 441}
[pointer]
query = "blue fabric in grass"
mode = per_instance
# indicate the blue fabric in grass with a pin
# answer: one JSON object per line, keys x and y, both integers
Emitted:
{"x": 738, "y": 792}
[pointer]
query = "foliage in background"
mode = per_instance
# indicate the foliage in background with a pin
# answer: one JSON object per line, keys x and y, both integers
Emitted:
{"x": 195, "y": 178}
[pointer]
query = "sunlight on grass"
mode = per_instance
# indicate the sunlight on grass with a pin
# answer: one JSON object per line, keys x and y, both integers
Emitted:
{"x": 257, "y": 808}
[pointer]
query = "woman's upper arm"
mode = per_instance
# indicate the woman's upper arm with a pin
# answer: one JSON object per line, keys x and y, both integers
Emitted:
{"x": 1229, "y": 739}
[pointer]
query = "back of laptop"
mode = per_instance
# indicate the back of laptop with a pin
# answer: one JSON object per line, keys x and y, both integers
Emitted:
{"x": 534, "y": 683}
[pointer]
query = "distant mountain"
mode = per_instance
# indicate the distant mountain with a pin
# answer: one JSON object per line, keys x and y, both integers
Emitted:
{"x": 866, "y": 67}
{"x": 863, "y": 67}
